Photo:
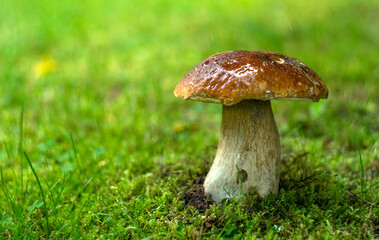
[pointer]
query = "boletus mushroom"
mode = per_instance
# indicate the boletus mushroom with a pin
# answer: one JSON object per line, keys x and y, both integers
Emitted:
{"x": 248, "y": 153}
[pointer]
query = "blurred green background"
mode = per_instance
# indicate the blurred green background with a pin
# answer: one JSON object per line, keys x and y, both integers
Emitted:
{"x": 62, "y": 59}
{"x": 95, "y": 79}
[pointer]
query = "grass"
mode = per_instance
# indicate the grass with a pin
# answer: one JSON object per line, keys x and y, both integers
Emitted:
{"x": 86, "y": 93}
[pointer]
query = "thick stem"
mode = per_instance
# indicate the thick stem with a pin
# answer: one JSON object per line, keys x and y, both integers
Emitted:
{"x": 248, "y": 154}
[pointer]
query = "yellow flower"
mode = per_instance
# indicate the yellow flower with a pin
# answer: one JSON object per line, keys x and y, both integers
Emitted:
{"x": 44, "y": 66}
{"x": 178, "y": 128}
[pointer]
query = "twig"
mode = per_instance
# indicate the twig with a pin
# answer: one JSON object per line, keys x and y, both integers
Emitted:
{"x": 355, "y": 195}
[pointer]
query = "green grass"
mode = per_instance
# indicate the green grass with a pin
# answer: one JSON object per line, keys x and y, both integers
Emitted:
{"x": 86, "y": 92}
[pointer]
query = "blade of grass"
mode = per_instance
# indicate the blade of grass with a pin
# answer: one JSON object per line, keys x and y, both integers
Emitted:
{"x": 364, "y": 187}
{"x": 6, "y": 149}
{"x": 15, "y": 208}
{"x": 239, "y": 175}
{"x": 59, "y": 230}
{"x": 74, "y": 223}
{"x": 62, "y": 189}
{"x": 135, "y": 225}
{"x": 11, "y": 203}
{"x": 56, "y": 199}
{"x": 42, "y": 193}
{"x": 223, "y": 229}
{"x": 227, "y": 193}
{"x": 20, "y": 150}
{"x": 75, "y": 231}
{"x": 79, "y": 192}
{"x": 9, "y": 159}
{"x": 76, "y": 155}
{"x": 363, "y": 182}
{"x": 50, "y": 191}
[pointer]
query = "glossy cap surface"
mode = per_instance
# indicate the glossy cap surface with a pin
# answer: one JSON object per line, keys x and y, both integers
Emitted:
{"x": 231, "y": 77}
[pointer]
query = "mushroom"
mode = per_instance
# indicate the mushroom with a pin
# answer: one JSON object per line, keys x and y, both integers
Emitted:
{"x": 248, "y": 153}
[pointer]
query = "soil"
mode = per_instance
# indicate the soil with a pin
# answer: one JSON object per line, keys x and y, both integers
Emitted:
{"x": 197, "y": 198}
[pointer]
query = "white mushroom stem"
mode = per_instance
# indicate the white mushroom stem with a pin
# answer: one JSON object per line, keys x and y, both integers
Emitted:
{"x": 248, "y": 154}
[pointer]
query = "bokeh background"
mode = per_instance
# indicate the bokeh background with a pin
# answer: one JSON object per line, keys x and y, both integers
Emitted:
{"x": 95, "y": 80}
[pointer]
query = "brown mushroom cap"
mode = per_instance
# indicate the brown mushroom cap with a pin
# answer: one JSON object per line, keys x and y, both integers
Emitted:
{"x": 233, "y": 76}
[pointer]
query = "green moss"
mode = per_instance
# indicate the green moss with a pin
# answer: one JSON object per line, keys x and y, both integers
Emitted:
{"x": 114, "y": 150}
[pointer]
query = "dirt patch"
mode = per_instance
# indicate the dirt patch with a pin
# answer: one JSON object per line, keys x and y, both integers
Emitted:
{"x": 197, "y": 198}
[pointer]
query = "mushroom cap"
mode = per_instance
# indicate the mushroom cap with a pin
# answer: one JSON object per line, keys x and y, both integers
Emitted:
{"x": 233, "y": 76}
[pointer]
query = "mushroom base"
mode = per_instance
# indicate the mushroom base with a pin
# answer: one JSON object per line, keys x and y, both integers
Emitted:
{"x": 248, "y": 154}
